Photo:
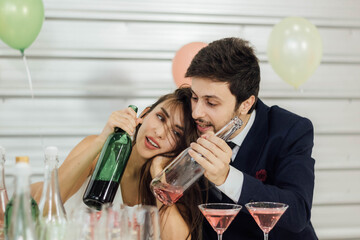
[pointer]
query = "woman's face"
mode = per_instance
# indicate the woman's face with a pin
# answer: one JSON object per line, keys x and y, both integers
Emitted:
{"x": 160, "y": 130}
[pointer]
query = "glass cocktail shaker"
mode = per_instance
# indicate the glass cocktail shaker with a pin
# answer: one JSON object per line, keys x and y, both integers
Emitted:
{"x": 169, "y": 185}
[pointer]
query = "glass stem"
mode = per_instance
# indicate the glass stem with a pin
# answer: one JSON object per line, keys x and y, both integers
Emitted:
{"x": 219, "y": 236}
{"x": 266, "y": 236}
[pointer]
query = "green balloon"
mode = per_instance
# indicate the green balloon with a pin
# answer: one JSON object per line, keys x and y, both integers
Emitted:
{"x": 20, "y": 22}
{"x": 294, "y": 50}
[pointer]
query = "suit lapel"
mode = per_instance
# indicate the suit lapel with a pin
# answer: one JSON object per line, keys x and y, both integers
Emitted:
{"x": 250, "y": 151}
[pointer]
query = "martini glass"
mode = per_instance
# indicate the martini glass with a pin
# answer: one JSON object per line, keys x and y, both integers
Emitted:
{"x": 266, "y": 214}
{"x": 220, "y": 215}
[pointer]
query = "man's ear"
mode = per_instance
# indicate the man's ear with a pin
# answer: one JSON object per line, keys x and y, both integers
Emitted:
{"x": 144, "y": 112}
{"x": 246, "y": 105}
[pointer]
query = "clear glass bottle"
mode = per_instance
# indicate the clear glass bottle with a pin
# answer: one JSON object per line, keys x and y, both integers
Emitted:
{"x": 52, "y": 212}
{"x": 3, "y": 193}
{"x": 21, "y": 215}
{"x": 169, "y": 185}
{"x": 109, "y": 169}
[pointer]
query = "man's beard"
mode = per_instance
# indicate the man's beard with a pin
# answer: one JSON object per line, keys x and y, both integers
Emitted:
{"x": 204, "y": 124}
{"x": 207, "y": 124}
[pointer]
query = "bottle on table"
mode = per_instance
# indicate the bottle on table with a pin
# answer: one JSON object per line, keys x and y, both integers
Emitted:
{"x": 169, "y": 185}
{"x": 3, "y": 193}
{"x": 22, "y": 212}
{"x": 52, "y": 212}
{"x": 109, "y": 169}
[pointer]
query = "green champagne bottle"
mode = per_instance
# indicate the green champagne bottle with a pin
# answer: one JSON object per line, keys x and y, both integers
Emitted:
{"x": 19, "y": 223}
{"x": 109, "y": 169}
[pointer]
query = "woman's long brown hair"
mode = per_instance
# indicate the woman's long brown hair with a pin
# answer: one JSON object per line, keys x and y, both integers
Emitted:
{"x": 188, "y": 203}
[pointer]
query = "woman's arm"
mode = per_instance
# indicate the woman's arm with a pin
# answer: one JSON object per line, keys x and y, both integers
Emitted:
{"x": 75, "y": 169}
{"x": 82, "y": 159}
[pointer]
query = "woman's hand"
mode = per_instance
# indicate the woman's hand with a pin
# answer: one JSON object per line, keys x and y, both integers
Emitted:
{"x": 158, "y": 164}
{"x": 125, "y": 119}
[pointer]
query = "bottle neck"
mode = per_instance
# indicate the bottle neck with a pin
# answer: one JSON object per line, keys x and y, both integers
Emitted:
{"x": 21, "y": 224}
{"x": 229, "y": 129}
{"x": 118, "y": 130}
{"x": 22, "y": 178}
{"x": 51, "y": 164}
{"x": 51, "y": 184}
{"x": 2, "y": 174}
{"x": 50, "y": 203}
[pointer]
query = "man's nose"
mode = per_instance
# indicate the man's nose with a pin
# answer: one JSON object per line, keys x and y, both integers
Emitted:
{"x": 197, "y": 110}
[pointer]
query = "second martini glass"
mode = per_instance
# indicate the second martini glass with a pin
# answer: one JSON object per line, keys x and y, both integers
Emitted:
{"x": 266, "y": 214}
{"x": 220, "y": 215}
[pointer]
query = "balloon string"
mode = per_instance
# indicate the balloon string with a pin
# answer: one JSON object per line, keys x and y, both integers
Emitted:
{"x": 28, "y": 73}
{"x": 32, "y": 95}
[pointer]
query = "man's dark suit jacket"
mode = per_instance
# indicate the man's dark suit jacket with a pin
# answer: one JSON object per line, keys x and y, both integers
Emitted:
{"x": 276, "y": 161}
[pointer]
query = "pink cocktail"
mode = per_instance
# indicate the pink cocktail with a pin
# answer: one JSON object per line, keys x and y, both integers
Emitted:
{"x": 167, "y": 194}
{"x": 266, "y": 214}
{"x": 220, "y": 215}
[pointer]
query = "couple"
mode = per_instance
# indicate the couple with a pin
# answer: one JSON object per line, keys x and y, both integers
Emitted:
{"x": 271, "y": 160}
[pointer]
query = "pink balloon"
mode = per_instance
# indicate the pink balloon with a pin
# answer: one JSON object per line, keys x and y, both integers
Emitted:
{"x": 182, "y": 60}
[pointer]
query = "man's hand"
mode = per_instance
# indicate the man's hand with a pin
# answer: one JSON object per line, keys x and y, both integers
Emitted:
{"x": 214, "y": 155}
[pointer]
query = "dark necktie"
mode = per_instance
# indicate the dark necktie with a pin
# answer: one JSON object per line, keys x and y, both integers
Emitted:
{"x": 231, "y": 144}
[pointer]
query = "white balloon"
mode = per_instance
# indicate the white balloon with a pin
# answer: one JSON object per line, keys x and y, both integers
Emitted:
{"x": 294, "y": 50}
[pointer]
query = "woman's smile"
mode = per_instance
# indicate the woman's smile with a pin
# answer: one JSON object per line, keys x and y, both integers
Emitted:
{"x": 151, "y": 143}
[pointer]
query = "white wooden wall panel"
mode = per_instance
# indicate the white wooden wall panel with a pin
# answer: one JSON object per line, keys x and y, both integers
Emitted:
{"x": 337, "y": 152}
{"x": 93, "y": 57}
{"x": 86, "y": 114}
{"x": 113, "y": 78}
{"x": 334, "y": 221}
{"x": 337, "y": 187}
{"x": 113, "y": 36}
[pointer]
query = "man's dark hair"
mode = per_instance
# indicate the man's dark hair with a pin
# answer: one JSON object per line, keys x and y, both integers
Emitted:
{"x": 230, "y": 60}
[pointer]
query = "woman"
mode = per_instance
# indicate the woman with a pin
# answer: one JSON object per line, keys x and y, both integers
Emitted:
{"x": 162, "y": 132}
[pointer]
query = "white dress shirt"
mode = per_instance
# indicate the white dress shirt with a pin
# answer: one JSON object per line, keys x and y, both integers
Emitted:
{"x": 233, "y": 184}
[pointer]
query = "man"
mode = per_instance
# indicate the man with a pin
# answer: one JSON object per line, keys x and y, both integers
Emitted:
{"x": 271, "y": 160}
